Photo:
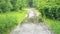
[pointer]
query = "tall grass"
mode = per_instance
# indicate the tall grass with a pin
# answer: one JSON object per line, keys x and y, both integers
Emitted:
{"x": 54, "y": 25}
{"x": 9, "y": 20}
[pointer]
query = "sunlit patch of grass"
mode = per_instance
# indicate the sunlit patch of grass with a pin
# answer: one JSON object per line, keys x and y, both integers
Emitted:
{"x": 54, "y": 25}
{"x": 9, "y": 20}
{"x": 37, "y": 11}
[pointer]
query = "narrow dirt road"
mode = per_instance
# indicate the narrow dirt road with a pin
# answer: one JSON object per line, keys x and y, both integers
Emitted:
{"x": 31, "y": 28}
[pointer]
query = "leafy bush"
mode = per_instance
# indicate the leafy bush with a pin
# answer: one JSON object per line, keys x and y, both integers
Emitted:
{"x": 48, "y": 8}
{"x": 53, "y": 12}
{"x": 5, "y": 5}
{"x": 12, "y": 5}
{"x": 58, "y": 13}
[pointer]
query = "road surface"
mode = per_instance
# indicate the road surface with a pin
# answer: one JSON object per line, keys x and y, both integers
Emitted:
{"x": 31, "y": 28}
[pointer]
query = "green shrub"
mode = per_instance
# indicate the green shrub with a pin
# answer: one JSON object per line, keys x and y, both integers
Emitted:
{"x": 58, "y": 13}
{"x": 53, "y": 12}
{"x": 46, "y": 11}
{"x": 5, "y": 5}
{"x": 12, "y": 5}
{"x": 48, "y": 8}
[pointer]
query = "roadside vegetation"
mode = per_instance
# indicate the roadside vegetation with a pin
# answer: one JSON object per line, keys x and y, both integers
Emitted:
{"x": 9, "y": 21}
{"x": 53, "y": 24}
{"x": 12, "y": 13}
{"x": 50, "y": 13}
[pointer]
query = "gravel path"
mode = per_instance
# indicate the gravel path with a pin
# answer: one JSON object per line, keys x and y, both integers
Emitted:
{"x": 31, "y": 28}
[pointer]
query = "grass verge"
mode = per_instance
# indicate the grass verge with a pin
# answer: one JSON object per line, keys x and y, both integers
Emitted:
{"x": 54, "y": 25}
{"x": 9, "y": 20}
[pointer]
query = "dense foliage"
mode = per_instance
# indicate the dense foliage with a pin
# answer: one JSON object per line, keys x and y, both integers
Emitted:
{"x": 48, "y": 8}
{"x": 12, "y": 5}
{"x": 50, "y": 11}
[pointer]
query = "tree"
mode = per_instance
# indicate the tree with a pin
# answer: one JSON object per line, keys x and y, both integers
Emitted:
{"x": 5, "y": 5}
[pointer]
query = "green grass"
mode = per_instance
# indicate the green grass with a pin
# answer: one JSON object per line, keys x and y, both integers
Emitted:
{"x": 9, "y": 21}
{"x": 54, "y": 25}
{"x": 37, "y": 11}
